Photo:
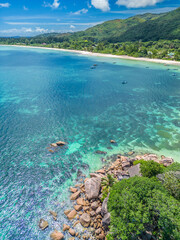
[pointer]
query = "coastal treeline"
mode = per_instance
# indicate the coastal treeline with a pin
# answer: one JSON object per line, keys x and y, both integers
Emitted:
{"x": 147, "y": 35}
{"x": 162, "y": 49}
{"x": 146, "y": 206}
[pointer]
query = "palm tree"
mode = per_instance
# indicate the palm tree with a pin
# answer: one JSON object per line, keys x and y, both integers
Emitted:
{"x": 108, "y": 182}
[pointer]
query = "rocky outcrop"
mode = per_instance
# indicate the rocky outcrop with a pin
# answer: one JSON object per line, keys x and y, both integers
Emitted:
{"x": 85, "y": 220}
{"x": 175, "y": 174}
{"x": 106, "y": 220}
{"x": 92, "y": 187}
{"x": 72, "y": 232}
{"x": 72, "y": 214}
{"x": 166, "y": 161}
{"x": 54, "y": 145}
{"x": 43, "y": 224}
{"x": 78, "y": 207}
{"x": 101, "y": 152}
{"x": 65, "y": 227}
{"x": 56, "y": 235}
{"x": 98, "y": 210}
{"x": 88, "y": 211}
{"x": 61, "y": 143}
{"x": 135, "y": 170}
{"x": 81, "y": 201}
{"x": 94, "y": 205}
{"x": 73, "y": 190}
{"x": 75, "y": 195}
{"x": 104, "y": 209}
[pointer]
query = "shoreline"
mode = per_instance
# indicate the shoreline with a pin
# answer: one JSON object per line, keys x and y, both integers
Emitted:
{"x": 86, "y": 53}
{"x": 87, "y": 216}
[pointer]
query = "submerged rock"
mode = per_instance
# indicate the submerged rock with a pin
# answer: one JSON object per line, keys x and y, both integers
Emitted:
{"x": 72, "y": 232}
{"x": 54, "y": 145}
{"x": 131, "y": 153}
{"x": 65, "y": 227}
{"x": 100, "y": 152}
{"x": 43, "y": 224}
{"x": 61, "y": 143}
{"x": 124, "y": 82}
{"x": 54, "y": 214}
{"x": 56, "y": 235}
{"x": 66, "y": 212}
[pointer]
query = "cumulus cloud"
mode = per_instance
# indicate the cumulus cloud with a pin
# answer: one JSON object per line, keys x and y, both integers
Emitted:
{"x": 101, "y": 4}
{"x": 41, "y": 30}
{"x": 137, "y": 3}
{"x": 25, "y": 8}
{"x": 4, "y": 5}
{"x": 84, "y": 10}
{"x": 72, "y": 27}
{"x": 24, "y": 31}
{"x": 55, "y": 4}
{"x": 17, "y": 30}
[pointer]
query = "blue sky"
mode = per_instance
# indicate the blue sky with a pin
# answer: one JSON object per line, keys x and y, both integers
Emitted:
{"x": 33, "y": 17}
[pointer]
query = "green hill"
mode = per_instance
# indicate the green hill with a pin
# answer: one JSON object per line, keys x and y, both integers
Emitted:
{"x": 111, "y": 30}
{"x": 163, "y": 27}
{"x": 146, "y": 35}
{"x": 145, "y": 27}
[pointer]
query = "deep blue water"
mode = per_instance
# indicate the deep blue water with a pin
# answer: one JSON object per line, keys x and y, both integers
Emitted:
{"x": 46, "y": 96}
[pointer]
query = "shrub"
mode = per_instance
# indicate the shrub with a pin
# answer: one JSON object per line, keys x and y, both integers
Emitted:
{"x": 172, "y": 183}
{"x": 149, "y": 168}
{"x": 173, "y": 167}
{"x": 140, "y": 204}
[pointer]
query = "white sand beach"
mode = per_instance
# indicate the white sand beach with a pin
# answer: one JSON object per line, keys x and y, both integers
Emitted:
{"x": 167, "y": 62}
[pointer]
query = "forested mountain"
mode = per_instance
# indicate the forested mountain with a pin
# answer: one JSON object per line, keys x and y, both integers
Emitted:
{"x": 146, "y": 27}
{"x": 146, "y": 35}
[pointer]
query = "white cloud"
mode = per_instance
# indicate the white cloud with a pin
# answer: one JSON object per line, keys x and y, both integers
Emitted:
{"x": 25, "y": 8}
{"x": 24, "y": 30}
{"x": 137, "y": 3}
{"x": 4, "y": 5}
{"x": 141, "y": 11}
{"x": 17, "y": 30}
{"x": 55, "y": 4}
{"x": 55, "y": 23}
{"x": 84, "y": 10}
{"x": 72, "y": 26}
{"x": 41, "y": 30}
{"x": 101, "y": 4}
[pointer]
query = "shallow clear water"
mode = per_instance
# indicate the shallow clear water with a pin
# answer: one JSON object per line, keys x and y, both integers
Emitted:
{"x": 46, "y": 96}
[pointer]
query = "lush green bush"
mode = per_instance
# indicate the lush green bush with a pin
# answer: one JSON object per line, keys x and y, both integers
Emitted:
{"x": 172, "y": 183}
{"x": 150, "y": 168}
{"x": 141, "y": 204}
{"x": 173, "y": 167}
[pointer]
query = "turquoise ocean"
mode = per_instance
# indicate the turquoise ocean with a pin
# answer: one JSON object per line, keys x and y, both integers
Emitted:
{"x": 48, "y": 96}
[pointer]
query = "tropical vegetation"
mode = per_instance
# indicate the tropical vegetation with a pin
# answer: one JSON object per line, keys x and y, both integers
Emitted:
{"x": 147, "y": 35}
{"x": 146, "y": 207}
